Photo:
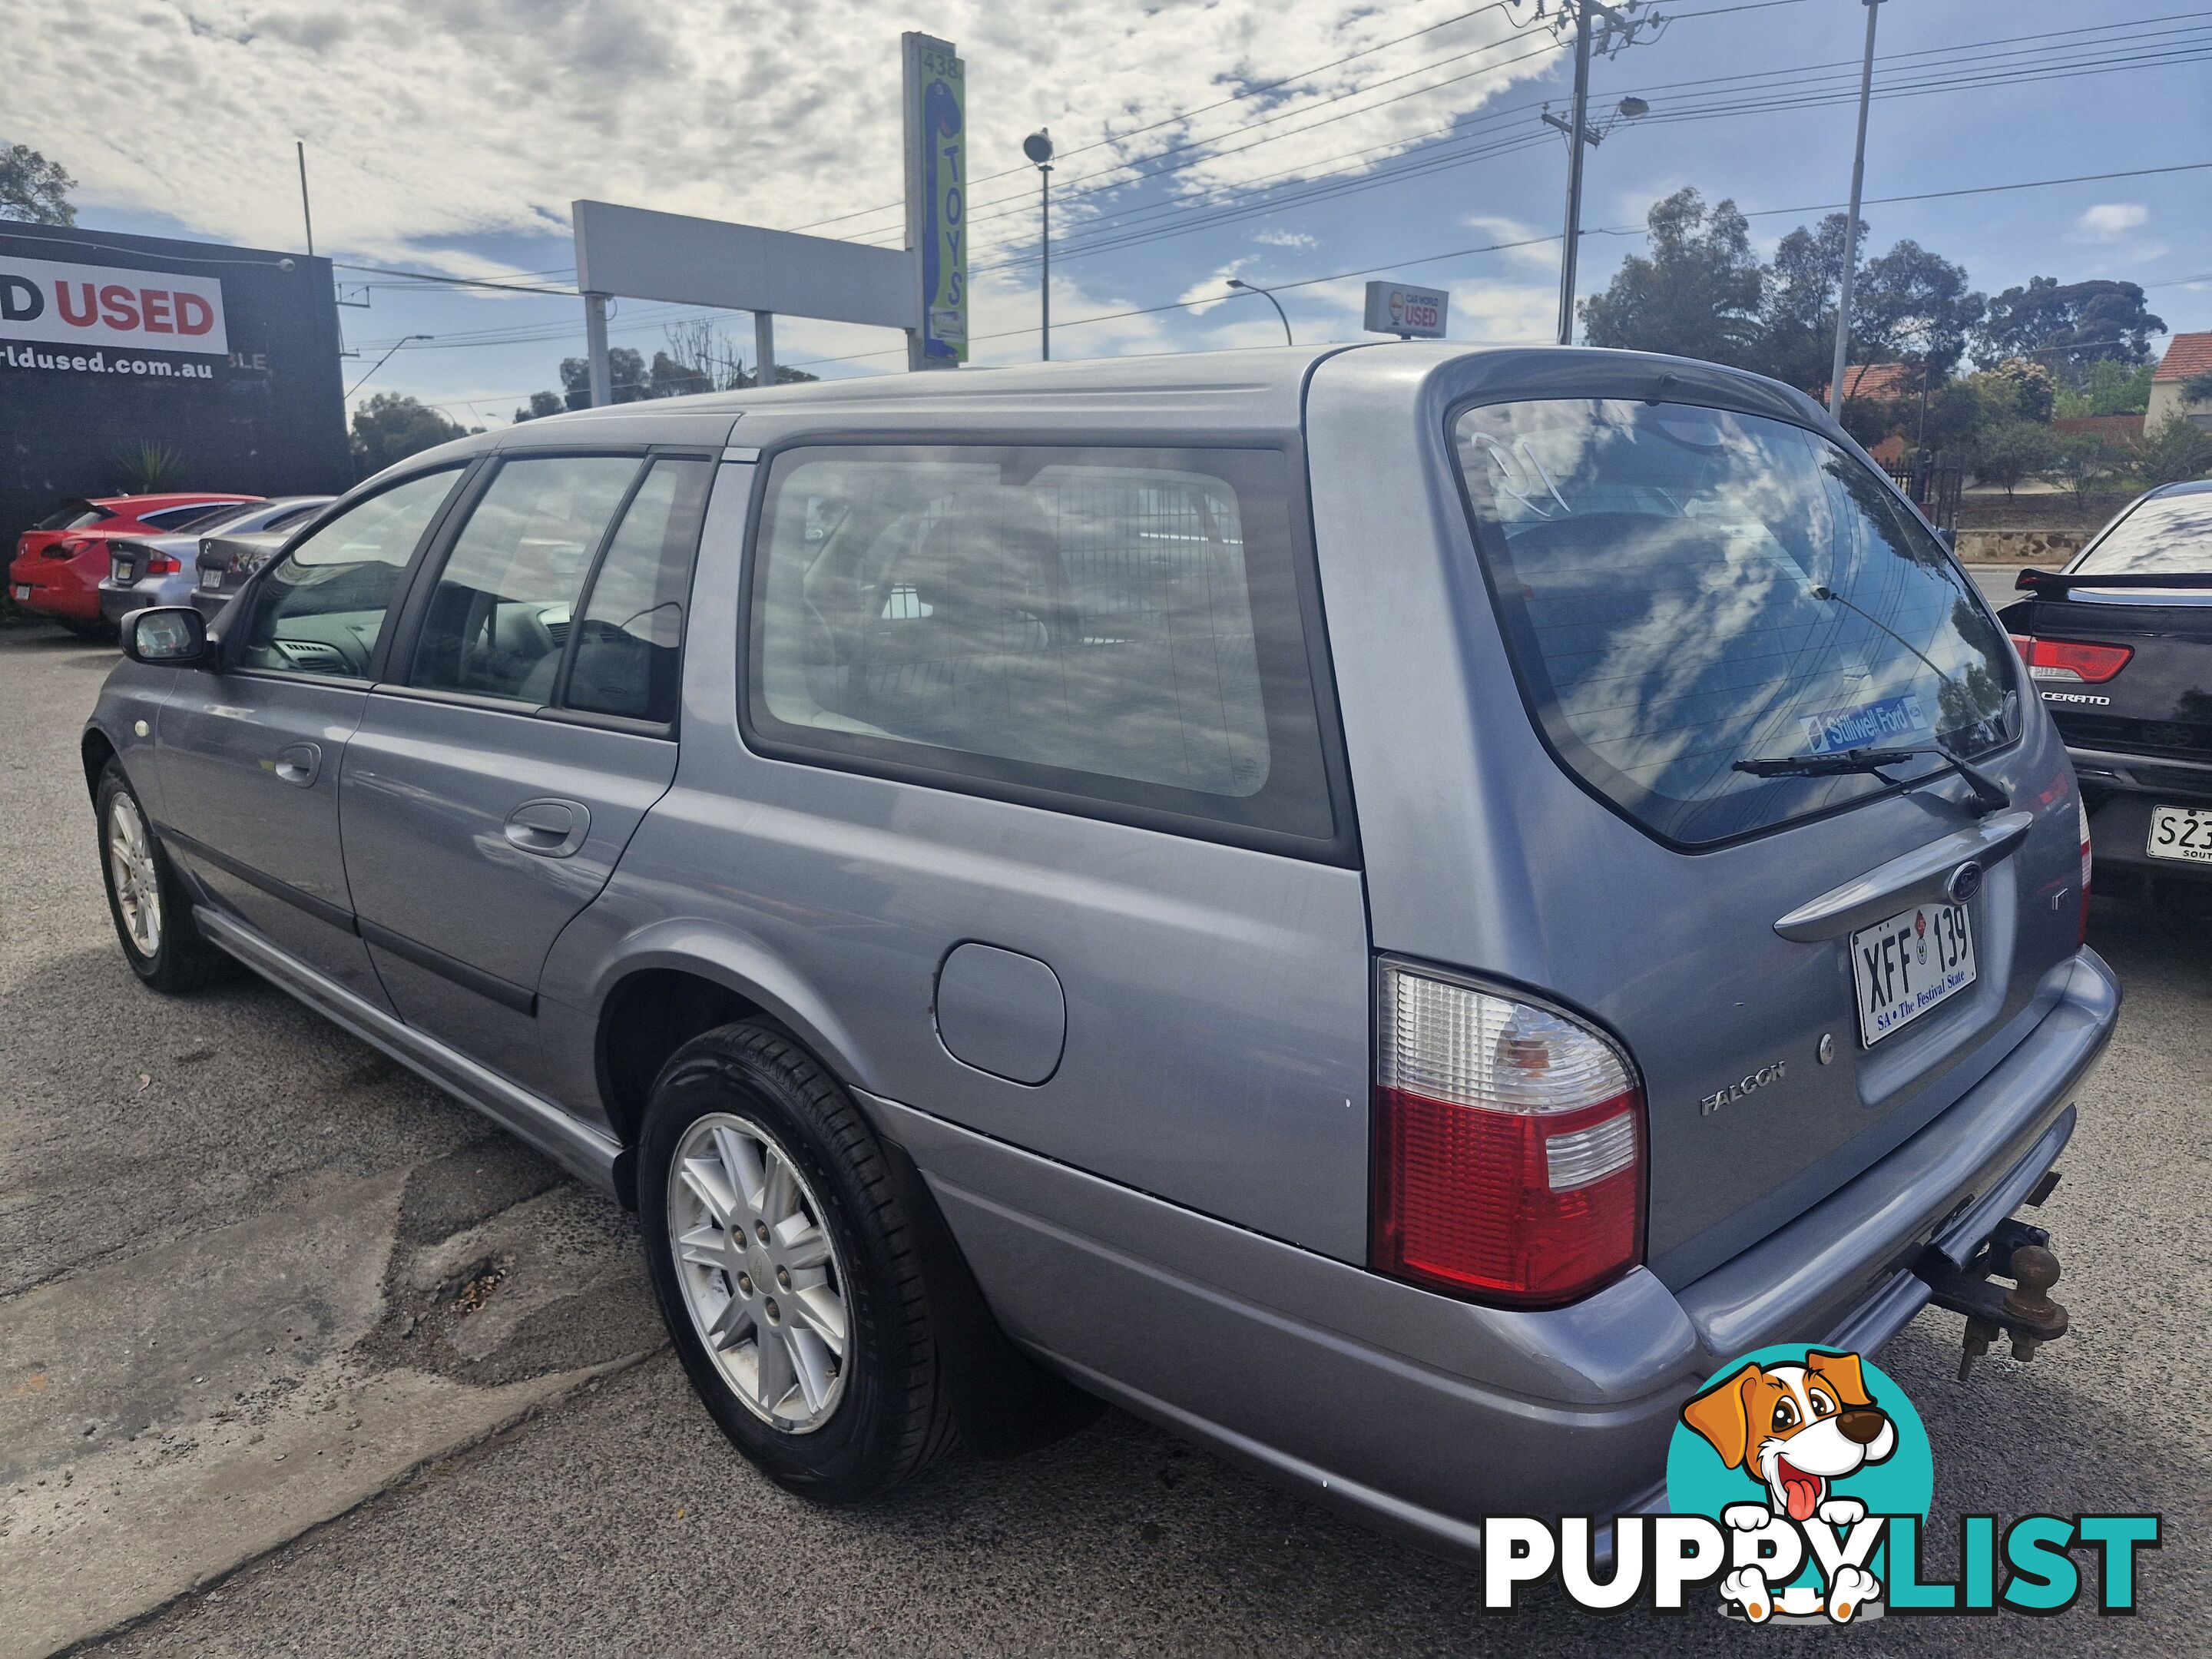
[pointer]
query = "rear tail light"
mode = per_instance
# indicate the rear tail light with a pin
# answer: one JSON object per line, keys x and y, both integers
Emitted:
{"x": 2081, "y": 936}
{"x": 68, "y": 550}
{"x": 1509, "y": 1146}
{"x": 2070, "y": 661}
{"x": 162, "y": 565}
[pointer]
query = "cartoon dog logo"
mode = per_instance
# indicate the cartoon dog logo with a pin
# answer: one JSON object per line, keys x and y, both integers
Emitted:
{"x": 1795, "y": 1429}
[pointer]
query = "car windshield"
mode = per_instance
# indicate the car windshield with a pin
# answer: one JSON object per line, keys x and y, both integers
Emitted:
{"x": 2164, "y": 535}
{"x": 1684, "y": 588}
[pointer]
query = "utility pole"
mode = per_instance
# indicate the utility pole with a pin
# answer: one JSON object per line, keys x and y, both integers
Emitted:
{"x": 764, "y": 348}
{"x": 1577, "y": 125}
{"x": 306, "y": 213}
{"x": 1038, "y": 148}
{"x": 1851, "y": 225}
{"x": 1619, "y": 33}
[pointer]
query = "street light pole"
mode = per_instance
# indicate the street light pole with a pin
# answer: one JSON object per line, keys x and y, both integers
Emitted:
{"x": 405, "y": 340}
{"x": 1250, "y": 288}
{"x": 1851, "y": 225}
{"x": 307, "y": 213}
{"x": 1038, "y": 148}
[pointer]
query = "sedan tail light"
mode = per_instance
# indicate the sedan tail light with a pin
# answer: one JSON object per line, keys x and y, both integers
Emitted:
{"x": 1508, "y": 1146}
{"x": 2070, "y": 661}
{"x": 162, "y": 565}
{"x": 67, "y": 550}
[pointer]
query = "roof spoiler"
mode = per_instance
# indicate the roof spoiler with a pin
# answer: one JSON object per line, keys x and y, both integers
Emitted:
{"x": 2054, "y": 584}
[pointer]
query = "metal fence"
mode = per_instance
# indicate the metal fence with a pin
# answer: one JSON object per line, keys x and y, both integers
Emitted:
{"x": 1934, "y": 488}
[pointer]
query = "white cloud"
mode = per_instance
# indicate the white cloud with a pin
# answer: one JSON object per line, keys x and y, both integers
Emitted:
{"x": 1540, "y": 249}
{"x": 428, "y": 121}
{"x": 2108, "y": 221}
{"x": 1284, "y": 239}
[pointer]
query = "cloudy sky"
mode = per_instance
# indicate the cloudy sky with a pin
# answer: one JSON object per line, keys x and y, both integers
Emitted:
{"x": 1298, "y": 142}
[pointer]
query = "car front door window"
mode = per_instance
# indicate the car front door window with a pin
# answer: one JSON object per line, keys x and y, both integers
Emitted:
{"x": 323, "y": 606}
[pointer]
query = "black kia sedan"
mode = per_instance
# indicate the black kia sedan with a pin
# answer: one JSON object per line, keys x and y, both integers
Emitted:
{"x": 2119, "y": 648}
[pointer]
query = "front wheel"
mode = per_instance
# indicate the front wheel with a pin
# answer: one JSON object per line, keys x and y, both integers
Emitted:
{"x": 787, "y": 1269}
{"x": 152, "y": 916}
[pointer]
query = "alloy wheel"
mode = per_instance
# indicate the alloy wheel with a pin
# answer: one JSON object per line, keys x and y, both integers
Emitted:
{"x": 761, "y": 1275}
{"x": 130, "y": 866}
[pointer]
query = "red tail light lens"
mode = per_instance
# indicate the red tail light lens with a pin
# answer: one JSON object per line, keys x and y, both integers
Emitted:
{"x": 2071, "y": 662}
{"x": 1509, "y": 1149}
{"x": 162, "y": 565}
{"x": 68, "y": 550}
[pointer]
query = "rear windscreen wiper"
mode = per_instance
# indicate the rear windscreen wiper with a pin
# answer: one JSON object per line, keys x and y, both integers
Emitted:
{"x": 1989, "y": 797}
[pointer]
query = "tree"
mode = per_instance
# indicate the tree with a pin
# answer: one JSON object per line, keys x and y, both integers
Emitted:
{"x": 541, "y": 403}
{"x": 392, "y": 426}
{"x": 626, "y": 378}
{"x": 2018, "y": 389}
{"x": 1798, "y": 308}
{"x": 2113, "y": 388}
{"x": 2069, "y": 326}
{"x": 34, "y": 189}
{"x": 2175, "y": 452}
{"x": 2084, "y": 465}
{"x": 2196, "y": 389}
{"x": 2012, "y": 451}
{"x": 1913, "y": 305}
{"x": 1696, "y": 295}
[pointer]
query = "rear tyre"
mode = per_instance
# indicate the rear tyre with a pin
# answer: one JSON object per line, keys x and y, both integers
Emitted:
{"x": 787, "y": 1269}
{"x": 152, "y": 916}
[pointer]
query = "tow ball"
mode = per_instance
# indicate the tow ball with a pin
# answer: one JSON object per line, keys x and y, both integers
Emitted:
{"x": 2024, "y": 1312}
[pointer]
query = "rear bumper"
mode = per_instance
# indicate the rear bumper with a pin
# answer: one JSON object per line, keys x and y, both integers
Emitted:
{"x": 117, "y": 603}
{"x": 2121, "y": 790}
{"x": 56, "y": 589}
{"x": 1421, "y": 1414}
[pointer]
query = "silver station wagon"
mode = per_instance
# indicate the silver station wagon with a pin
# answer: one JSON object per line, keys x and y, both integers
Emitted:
{"x": 1388, "y": 907}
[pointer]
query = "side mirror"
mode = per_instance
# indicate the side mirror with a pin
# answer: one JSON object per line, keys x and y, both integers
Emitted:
{"x": 169, "y": 635}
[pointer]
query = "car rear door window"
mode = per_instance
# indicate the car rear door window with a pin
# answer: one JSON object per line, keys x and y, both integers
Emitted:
{"x": 322, "y": 607}
{"x": 501, "y": 612}
{"x": 1683, "y": 589}
{"x": 628, "y": 645}
{"x": 1122, "y": 626}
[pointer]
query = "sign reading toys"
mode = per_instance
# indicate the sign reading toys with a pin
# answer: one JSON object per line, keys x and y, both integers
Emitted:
{"x": 937, "y": 198}
{"x": 48, "y": 302}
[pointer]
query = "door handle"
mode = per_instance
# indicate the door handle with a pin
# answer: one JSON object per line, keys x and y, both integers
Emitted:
{"x": 551, "y": 829}
{"x": 298, "y": 762}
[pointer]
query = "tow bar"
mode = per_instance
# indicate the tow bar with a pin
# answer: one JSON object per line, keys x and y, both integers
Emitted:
{"x": 2025, "y": 1312}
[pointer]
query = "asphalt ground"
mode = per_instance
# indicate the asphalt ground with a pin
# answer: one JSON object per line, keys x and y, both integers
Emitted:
{"x": 297, "y": 1357}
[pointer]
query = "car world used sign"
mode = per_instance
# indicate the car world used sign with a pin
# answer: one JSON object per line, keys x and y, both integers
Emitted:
{"x": 1414, "y": 312}
{"x": 46, "y": 302}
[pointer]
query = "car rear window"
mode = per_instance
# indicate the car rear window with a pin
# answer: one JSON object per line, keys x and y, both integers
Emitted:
{"x": 78, "y": 517}
{"x": 1683, "y": 589}
{"x": 2164, "y": 535}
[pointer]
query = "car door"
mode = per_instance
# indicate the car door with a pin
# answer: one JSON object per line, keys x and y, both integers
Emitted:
{"x": 1065, "y": 846}
{"x": 499, "y": 771}
{"x": 249, "y": 756}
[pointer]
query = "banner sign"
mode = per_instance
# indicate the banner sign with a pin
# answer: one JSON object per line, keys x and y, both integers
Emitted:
{"x": 1415, "y": 312}
{"x": 937, "y": 198}
{"x": 79, "y": 306}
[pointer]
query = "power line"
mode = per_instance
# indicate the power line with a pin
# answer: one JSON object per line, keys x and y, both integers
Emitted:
{"x": 1534, "y": 241}
{"x": 1173, "y": 120}
{"x": 1767, "y": 80}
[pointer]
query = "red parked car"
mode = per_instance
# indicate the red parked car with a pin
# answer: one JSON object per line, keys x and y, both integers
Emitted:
{"x": 61, "y": 559}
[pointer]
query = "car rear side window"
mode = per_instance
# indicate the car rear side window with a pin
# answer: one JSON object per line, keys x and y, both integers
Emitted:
{"x": 321, "y": 607}
{"x": 628, "y": 645}
{"x": 1683, "y": 589}
{"x": 1122, "y": 626}
{"x": 501, "y": 612}
{"x": 2164, "y": 535}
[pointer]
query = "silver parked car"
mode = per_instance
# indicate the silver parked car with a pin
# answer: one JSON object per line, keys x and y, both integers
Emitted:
{"x": 227, "y": 554}
{"x": 1386, "y": 908}
{"x": 164, "y": 569}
